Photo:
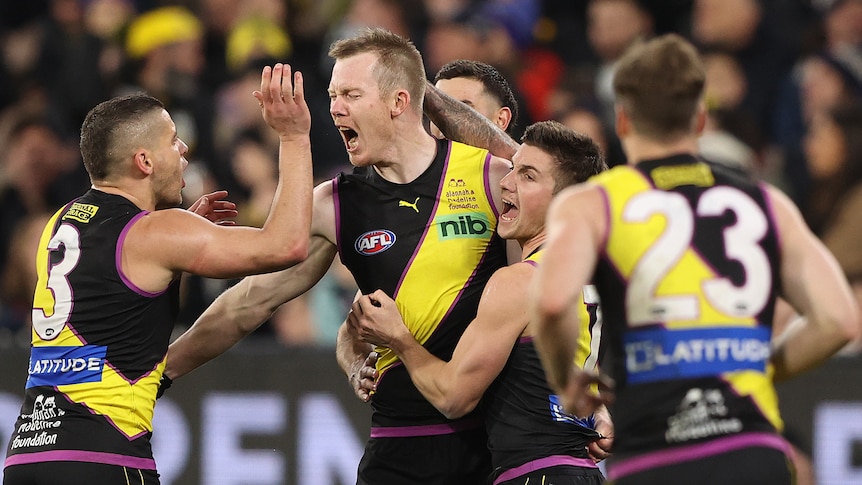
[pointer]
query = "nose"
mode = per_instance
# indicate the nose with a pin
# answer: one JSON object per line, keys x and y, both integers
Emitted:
{"x": 336, "y": 107}
{"x": 506, "y": 183}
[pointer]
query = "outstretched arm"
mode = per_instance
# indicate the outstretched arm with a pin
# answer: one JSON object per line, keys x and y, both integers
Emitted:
{"x": 461, "y": 123}
{"x": 241, "y": 309}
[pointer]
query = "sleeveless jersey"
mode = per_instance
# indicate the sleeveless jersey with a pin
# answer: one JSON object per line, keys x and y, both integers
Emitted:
{"x": 688, "y": 282}
{"x": 431, "y": 245}
{"x": 98, "y": 343}
{"x": 527, "y": 426}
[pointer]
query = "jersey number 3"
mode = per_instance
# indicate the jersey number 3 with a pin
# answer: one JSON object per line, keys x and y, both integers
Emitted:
{"x": 741, "y": 244}
{"x": 52, "y": 303}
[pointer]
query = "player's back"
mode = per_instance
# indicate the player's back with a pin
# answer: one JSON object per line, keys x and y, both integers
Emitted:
{"x": 688, "y": 283}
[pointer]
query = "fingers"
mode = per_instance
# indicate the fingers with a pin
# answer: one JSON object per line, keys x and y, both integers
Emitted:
{"x": 264, "y": 95}
{"x": 298, "y": 87}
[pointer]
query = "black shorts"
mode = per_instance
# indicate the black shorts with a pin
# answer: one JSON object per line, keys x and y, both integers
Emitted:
{"x": 559, "y": 475}
{"x": 77, "y": 473}
{"x": 451, "y": 459}
{"x": 745, "y": 466}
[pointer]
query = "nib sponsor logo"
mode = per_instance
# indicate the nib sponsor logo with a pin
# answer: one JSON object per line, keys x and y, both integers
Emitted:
{"x": 374, "y": 242}
{"x": 472, "y": 225}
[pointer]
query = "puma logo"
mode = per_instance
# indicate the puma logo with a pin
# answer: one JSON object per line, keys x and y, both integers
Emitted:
{"x": 404, "y": 203}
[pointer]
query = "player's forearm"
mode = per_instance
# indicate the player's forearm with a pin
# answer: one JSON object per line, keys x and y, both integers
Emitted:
{"x": 555, "y": 343}
{"x": 350, "y": 352}
{"x": 289, "y": 221}
{"x": 804, "y": 346}
{"x": 435, "y": 378}
{"x": 461, "y": 123}
{"x": 219, "y": 327}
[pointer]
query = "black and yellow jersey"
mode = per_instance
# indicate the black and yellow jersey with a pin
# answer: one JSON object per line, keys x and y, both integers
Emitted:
{"x": 431, "y": 245}
{"x": 520, "y": 407}
{"x": 688, "y": 281}
{"x": 98, "y": 343}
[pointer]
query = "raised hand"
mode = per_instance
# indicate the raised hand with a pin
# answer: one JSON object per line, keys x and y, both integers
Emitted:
{"x": 282, "y": 101}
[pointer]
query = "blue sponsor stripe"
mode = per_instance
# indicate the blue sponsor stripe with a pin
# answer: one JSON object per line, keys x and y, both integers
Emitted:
{"x": 663, "y": 354}
{"x": 57, "y": 366}
{"x": 560, "y": 415}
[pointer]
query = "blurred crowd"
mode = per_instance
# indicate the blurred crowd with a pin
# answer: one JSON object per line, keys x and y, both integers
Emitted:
{"x": 784, "y": 85}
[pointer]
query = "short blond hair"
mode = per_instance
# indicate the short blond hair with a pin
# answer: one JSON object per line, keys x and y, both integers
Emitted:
{"x": 399, "y": 63}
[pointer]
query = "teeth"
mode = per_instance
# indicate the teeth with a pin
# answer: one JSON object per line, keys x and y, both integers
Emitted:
{"x": 352, "y": 143}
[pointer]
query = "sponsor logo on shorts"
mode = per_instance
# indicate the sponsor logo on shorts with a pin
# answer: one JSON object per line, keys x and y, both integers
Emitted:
{"x": 374, "y": 242}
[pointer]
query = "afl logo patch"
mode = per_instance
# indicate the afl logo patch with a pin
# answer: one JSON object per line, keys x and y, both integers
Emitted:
{"x": 374, "y": 242}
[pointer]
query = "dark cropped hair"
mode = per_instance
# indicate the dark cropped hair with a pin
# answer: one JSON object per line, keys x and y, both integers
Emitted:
{"x": 494, "y": 82}
{"x": 578, "y": 157}
{"x": 111, "y": 128}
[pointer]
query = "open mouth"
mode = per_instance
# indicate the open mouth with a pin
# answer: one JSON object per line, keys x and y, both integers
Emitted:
{"x": 510, "y": 211}
{"x": 351, "y": 138}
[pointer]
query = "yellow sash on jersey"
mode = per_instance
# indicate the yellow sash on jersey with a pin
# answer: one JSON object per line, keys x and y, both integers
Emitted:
{"x": 464, "y": 222}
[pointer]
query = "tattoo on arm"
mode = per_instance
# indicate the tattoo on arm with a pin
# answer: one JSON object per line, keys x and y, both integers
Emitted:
{"x": 462, "y": 123}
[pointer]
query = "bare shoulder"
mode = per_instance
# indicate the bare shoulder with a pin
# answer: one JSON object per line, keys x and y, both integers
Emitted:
{"x": 323, "y": 219}
{"x": 582, "y": 200}
{"x": 499, "y": 165}
{"x": 510, "y": 282}
{"x": 784, "y": 211}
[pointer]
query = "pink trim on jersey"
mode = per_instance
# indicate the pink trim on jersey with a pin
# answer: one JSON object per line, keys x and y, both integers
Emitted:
{"x": 84, "y": 456}
{"x": 118, "y": 259}
{"x": 546, "y": 462}
{"x": 770, "y": 212}
{"x": 335, "y": 201}
{"x": 488, "y": 192}
{"x": 426, "y": 430}
{"x": 656, "y": 459}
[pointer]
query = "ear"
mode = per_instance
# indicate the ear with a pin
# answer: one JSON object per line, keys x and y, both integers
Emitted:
{"x": 142, "y": 162}
{"x": 503, "y": 118}
{"x": 622, "y": 124}
{"x": 401, "y": 102}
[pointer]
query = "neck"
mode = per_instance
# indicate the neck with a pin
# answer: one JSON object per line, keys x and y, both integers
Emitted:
{"x": 143, "y": 203}
{"x": 410, "y": 154}
{"x": 530, "y": 245}
{"x": 639, "y": 148}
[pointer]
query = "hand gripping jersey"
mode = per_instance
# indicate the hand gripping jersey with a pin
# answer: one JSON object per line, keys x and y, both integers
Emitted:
{"x": 527, "y": 427}
{"x": 431, "y": 245}
{"x": 688, "y": 282}
{"x": 98, "y": 346}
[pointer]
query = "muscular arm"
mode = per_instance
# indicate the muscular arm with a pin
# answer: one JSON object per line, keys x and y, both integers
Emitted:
{"x": 575, "y": 230}
{"x": 454, "y": 387}
{"x": 815, "y": 286}
{"x": 460, "y": 122}
{"x": 243, "y": 307}
{"x": 164, "y": 243}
